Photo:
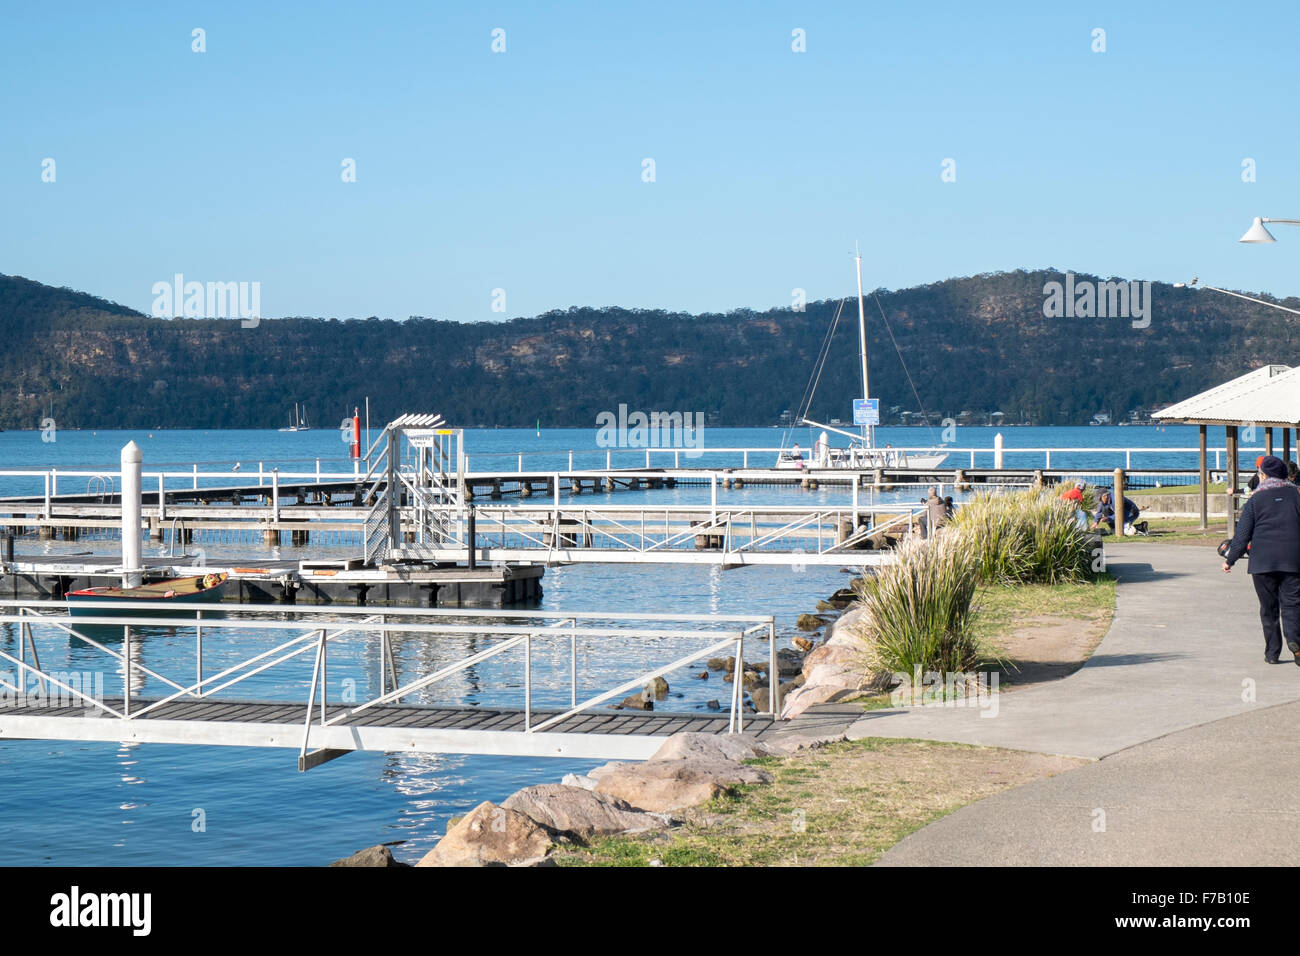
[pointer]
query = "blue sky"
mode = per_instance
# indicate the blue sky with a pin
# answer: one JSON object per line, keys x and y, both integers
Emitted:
{"x": 522, "y": 170}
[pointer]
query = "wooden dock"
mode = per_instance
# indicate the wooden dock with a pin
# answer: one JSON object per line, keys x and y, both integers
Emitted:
{"x": 602, "y": 735}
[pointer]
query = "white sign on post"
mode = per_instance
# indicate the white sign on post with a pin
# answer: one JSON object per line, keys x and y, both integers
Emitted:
{"x": 866, "y": 411}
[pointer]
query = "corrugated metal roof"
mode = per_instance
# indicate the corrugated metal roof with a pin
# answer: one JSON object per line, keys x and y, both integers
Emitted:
{"x": 1268, "y": 395}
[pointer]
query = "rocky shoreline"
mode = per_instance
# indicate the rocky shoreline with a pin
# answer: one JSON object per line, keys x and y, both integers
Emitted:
{"x": 689, "y": 769}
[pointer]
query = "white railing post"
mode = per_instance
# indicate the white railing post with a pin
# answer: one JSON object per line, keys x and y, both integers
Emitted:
{"x": 275, "y": 494}
{"x": 647, "y": 457}
{"x": 1128, "y": 459}
{"x": 570, "y": 459}
{"x": 196, "y": 475}
{"x": 745, "y": 459}
{"x": 318, "y": 471}
{"x": 528, "y": 683}
{"x": 677, "y": 459}
{"x": 47, "y": 496}
{"x": 609, "y": 459}
{"x": 713, "y": 497}
{"x": 1049, "y": 459}
{"x": 259, "y": 476}
{"x": 162, "y": 501}
{"x": 521, "y": 463}
{"x": 54, "y": 482}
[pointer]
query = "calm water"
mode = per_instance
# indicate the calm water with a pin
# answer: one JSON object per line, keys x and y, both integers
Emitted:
{"x": 112, "y": 804}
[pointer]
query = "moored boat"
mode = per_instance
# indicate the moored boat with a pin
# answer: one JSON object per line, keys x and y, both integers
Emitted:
{"x": 198, "y": 589}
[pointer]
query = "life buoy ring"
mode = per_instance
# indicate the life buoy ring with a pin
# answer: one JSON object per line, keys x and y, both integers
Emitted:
{"x": 210, "y": 581}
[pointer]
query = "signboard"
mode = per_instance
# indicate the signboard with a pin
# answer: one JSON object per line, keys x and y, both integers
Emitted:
{"x": 426, "y": 437}
{"x": 866, "y": 411}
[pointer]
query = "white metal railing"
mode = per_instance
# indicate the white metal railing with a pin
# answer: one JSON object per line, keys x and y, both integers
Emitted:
{"x": 313, "y": 629}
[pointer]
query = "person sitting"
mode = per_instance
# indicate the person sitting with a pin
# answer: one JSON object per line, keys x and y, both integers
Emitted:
{"x": 1105, "y": 514}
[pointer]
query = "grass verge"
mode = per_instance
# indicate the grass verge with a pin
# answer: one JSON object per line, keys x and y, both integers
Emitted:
{"x": 839, "y": 805}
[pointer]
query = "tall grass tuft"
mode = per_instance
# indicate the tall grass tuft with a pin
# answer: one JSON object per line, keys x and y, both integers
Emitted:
{"x": 1025, "y": 536}
{"x": 918, "y": 609}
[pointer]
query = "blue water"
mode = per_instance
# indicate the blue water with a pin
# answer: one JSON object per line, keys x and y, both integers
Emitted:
{"x": 113, "y": 804}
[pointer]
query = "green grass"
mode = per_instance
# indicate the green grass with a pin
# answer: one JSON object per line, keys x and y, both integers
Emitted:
{"x": 868, "y": 795}
{"x": 999, "y": 608}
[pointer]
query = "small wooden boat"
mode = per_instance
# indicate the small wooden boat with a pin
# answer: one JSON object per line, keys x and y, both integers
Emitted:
{"x": 166, "y": 594}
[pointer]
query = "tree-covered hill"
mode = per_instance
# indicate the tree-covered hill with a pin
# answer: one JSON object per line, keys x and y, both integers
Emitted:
{"x": 974, "y": 344}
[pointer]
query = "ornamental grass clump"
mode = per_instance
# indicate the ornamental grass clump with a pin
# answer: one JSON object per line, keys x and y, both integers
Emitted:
{"x": 918, "y": 608}
{"x": 1029, "y": 536}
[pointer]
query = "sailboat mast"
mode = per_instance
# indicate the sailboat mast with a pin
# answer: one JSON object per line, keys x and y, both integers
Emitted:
{"x": 862, "y": 341}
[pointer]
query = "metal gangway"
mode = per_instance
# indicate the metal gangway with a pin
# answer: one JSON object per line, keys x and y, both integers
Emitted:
{"x": 329, "y": 681}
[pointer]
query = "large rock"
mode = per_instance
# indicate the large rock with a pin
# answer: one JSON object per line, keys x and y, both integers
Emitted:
{"x": 838, "y": 656}
{"x": 371, "y": 856}
{"x": 578, "y": 780}
{"x": 799, "y": 700}
{"x": 843, "y": 632}
{"x": 580, "y": 813}
{"x": 490, "y": 835}
{"x": 809, "y": 622}
{"x": 664, "y": 786}
{"x": 691, "y": 746}
{"x": 657, "y": 689}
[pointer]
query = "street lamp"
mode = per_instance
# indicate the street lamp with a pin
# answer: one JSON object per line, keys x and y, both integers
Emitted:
{"x": 1238, "y": 295}
{"x": 1257, "y": 232}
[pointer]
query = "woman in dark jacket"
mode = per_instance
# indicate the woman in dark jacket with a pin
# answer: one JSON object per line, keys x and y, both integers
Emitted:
{"x": 1270, "y": 526}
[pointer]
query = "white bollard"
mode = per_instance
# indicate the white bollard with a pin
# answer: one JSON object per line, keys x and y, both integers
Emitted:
{"x": 997, "y": 451}
{"x": 131, "y": 467}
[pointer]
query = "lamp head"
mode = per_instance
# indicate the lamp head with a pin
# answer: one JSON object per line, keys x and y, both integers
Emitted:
{"x": 1257, "y": 232}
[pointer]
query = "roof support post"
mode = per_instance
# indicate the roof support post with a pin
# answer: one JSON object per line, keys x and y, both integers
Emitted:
{"x": 1233, "y": 479}
{"x": 1205, "y": 481}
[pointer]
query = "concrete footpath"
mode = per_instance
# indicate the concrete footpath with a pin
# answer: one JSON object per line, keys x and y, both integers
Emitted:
{"x": 1201, "y": 754}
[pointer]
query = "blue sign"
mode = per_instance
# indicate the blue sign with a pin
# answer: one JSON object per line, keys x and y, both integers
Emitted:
{"x": 866, "y": 411}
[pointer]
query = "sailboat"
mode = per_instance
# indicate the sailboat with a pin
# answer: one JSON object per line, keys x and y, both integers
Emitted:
{"x": 862, "y": 451}
{"x": 299, "y": 423}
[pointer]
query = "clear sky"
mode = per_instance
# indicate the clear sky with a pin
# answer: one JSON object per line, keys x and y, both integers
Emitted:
{"x": 523, "y": 170}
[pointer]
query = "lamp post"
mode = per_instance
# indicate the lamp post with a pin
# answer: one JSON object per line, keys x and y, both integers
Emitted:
{"x": 1257, "y": 232}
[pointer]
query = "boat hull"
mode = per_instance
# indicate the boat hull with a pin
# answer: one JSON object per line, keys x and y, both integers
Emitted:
{"x": 165, "y": 595}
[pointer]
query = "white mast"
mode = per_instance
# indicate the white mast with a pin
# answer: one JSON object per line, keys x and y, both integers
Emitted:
{"x": 862, "y": 340}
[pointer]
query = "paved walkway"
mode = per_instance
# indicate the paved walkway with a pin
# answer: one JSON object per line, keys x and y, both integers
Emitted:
{"x": 1195, "y": 771}
{"x": 1184, "y": 649}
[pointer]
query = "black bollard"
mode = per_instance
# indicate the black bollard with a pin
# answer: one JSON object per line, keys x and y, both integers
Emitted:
{"x": 473, "y": 555}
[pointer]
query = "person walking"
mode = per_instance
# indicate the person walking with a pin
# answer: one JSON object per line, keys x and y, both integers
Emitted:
{"x": 936, "y": 513}
{"x": 1269, "y": 526}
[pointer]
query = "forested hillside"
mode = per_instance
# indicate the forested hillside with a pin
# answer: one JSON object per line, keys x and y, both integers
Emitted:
{"x": 974, "y": 344}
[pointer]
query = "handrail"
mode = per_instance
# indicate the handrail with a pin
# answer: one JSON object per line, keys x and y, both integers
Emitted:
{"x": 313, "y": 629}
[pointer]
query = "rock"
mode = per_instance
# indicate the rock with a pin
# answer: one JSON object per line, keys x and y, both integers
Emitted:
{"x": 657, "y": 689}
{"x": 803, "y": 644}
{"x": 663, "y": 786}
{"x": 636, "y": 702}
{"x": 843, "y": 598}
{"x": 761, "y": 698}
{"x": 490, "y": 835}
{"x": 580, "y": 813}
{"x": 702, "y": 675}
{"x": 719, "y": 663}
{"x": 840, "y": 656}
{"x": 578, "y": 780}
{"x": 712, "y": 705}
{"x": 804, "y": 697}
{"x": 747, "y": 678}
{"x": 371, "y": 856}
{"x": 844, "y": 631}
{"x": 789, "y": 662}
{"x": 809, "y": 622}
{"x": 826, "y": 606}
{"x": 759, "y": 668}
{"x": 693, "y": 746}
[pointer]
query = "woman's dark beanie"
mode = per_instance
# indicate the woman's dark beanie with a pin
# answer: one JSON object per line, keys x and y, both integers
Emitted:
{"x": 1273, "y": 467}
